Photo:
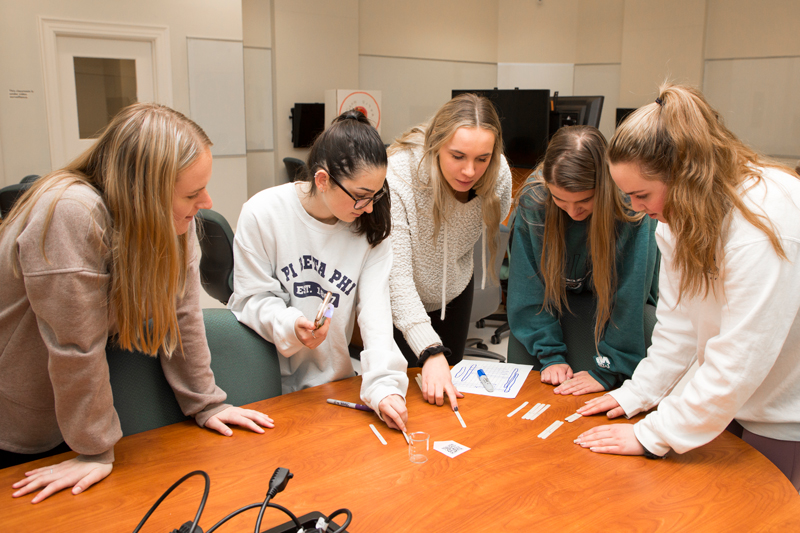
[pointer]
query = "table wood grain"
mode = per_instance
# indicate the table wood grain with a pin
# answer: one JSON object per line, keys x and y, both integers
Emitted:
{"x": 510, "y": 480}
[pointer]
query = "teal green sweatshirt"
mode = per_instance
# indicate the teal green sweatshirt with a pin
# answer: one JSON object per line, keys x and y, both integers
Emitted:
{"x": 622, "y": 345}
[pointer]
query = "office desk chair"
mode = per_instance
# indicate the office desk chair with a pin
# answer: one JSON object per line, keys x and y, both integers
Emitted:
{"x": 486, "y": 301}
{"x": 245, "y": 366}
{"x": 10, "y": 194}
{"x": 294, "y": 168}
{"x": 216, "y": 263}
{"x": 578, "y": 330}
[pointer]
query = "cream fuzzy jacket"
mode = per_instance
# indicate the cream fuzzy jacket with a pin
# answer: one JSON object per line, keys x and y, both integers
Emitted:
{"x": 428, "y": 273}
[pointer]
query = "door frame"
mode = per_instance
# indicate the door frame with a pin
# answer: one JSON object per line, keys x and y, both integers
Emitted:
{"x": 49, "y": 32}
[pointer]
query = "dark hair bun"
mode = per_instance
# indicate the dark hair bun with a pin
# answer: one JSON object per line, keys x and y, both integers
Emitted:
{"x": 352, "y": 114}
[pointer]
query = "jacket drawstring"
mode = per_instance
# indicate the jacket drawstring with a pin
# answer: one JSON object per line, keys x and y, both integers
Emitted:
{"x": 483, "y": 255}
{"x": 444, "y": 273}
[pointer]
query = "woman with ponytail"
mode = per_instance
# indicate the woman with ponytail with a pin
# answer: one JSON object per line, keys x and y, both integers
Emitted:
{"x": 729, "y": 290}
{"x": 329, "y": 233}
{"x": 574, "y": 232}
{"x": 104, "y": 248}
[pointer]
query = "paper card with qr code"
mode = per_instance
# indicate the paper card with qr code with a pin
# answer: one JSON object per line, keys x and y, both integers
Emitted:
{"x": 449, "y": 448}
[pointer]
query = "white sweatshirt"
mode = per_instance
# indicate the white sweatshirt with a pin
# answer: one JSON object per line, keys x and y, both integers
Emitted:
{"x": 427, "y": 273}
{"x": 284, "y": 262}
{"x": 745, "y": 335}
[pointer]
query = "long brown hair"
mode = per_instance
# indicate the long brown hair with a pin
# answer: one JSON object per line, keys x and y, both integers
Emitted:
{"x": 464, "y": 111}
{"x": 133, "y": 166}
{"x": 681, "y": 141}
{"x": 575, "y": 161}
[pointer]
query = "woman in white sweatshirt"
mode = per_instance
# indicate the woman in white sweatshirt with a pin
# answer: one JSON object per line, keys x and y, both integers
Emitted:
{"x": 729, "y": 288}
{"x": 450, "y": 184}
{"x": 298, "y": 241}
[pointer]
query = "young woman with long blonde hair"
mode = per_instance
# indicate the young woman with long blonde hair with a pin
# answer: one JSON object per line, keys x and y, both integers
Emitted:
{"x": 729, "y": 291}
{"x": 104, "y": 248}
{"x": 574, "y": 233}
{"x": 450, "y": 184}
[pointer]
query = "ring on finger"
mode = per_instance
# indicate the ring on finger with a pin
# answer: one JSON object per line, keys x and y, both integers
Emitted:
{"x": 314, "y": 334}
{"x": 51, "y": 470}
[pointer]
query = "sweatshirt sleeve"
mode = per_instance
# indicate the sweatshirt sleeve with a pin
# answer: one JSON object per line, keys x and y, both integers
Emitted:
{"x": 382, "y": 364}
{"x": 68, "y": 291}
{"x": 259, "y": 300}
{"x": 537, "y": 330}
{"x": 408, "y": 313}
{"x": 736, "y": 360}
{"x": 623, "y": 343}
{"x": 189, "y": 371}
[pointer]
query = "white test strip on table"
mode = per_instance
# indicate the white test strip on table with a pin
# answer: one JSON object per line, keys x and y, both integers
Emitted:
{"x": 380, "y": 437}
{"x": 534, "y": 413}
{"x": 517, "y": 410}
{"x": 419, "y": 381}
{"x": 573, "y": 417}
{"x": 550, "y": 429}
{"x": 406, "y": 437}
{"x": 533, "y": 410}
{"x": 458, "y": 414}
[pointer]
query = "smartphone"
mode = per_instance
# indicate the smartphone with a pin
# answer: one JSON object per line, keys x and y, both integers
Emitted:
{"x": 320, "y": 319}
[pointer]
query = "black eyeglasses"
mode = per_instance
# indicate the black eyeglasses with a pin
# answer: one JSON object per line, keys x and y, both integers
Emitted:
{"x": 360, "y": 203}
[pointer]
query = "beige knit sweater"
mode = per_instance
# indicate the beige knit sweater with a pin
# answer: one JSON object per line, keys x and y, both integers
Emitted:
{"x": 427, "y": 273}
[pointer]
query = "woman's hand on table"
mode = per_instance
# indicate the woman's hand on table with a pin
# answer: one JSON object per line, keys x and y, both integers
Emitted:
{"x": 618, "y": 439}
{"x": 246, "y": 418}
{"x": 556, "y": 374}
{"x": 394, "y": 412}
{"x": 605, "y": 403}
{"x": 437, "y": 381}
{"x": 580, "y": 383}
{"x": 78, "y": 473}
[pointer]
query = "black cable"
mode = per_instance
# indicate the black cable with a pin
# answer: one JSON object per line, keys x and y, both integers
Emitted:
{"x": 254, "y": 506}
{"x": 169, "y": 490}
{"x": 261, "y": 512}
{"x": 346, "y": 522}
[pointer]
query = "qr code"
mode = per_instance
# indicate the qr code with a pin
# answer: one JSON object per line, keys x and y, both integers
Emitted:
{"x": 452, "y": 448}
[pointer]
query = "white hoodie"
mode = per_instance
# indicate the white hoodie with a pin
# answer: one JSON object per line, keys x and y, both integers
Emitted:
{"x": 284, "y": 262}
{"x": 745, "y": 335}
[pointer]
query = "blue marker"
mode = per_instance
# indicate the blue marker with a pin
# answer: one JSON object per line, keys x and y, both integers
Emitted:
{"x": 485, "y": 380}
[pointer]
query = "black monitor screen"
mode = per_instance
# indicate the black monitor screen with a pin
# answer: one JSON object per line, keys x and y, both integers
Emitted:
{"x": 575, "y": 111}
{"x": 524, "y": 116}
{"x": 308, "y": 121}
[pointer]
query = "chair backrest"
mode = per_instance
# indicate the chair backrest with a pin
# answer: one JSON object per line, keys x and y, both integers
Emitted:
{"x": 216, "y": 263}
{"x": 486, "y": 301}
{"x": 294, "y": 167}
{"x": 245, "y": 366}
{"x": 9, "y": 196}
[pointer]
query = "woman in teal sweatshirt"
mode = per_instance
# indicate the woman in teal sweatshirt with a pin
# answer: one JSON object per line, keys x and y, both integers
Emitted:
{"x": 574, "y": 232}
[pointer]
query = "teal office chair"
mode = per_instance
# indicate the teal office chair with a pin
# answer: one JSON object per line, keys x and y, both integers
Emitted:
{"x": 245, "y": 366}
{"x": 578, "y": 330}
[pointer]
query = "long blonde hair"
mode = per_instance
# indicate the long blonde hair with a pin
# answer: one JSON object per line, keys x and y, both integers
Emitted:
{"x": 464, "y": 111}
{"x": 575, "y": 161}
{"x": 681, "y": 141}
{"x": 133, "y": 166}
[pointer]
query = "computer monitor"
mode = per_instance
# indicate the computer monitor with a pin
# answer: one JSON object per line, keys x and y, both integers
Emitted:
{"x": 524, "y": 115}
{"x": 308, "y": 121}
{"x": 623, "y": 112}
{"x": 574, "y": 111}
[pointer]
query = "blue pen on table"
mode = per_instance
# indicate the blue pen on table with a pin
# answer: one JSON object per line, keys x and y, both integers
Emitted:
{"x": 485, "y": 380}
{"x": 351, "y": 405}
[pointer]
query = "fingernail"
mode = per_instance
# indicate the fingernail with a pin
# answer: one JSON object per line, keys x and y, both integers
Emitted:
{"x": 76, "y": 490}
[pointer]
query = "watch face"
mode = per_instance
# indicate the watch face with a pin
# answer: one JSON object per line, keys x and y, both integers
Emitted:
{"x": 364, "y": 102}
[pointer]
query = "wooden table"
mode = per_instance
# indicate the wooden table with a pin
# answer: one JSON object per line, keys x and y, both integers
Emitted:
{"x": 510, "y": 480}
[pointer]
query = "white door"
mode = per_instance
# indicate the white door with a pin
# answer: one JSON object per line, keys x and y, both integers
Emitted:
{"x": 92, "y": 70}
{"x": 93, "y": 63}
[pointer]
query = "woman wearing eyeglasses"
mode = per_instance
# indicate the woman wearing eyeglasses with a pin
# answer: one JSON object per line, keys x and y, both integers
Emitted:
{"x": 296, "y": 242}
{"x": 450, "y": 185}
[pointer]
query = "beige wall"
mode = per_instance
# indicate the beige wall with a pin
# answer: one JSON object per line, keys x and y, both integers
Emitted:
{"x": 747, "y": 29}
{"x": 537, "y": 32}
{"x": 460, "y": 30}
{"x": 315, "y": 47}
{"x": 599, "y": 32}
{"x": 660, "y": 40}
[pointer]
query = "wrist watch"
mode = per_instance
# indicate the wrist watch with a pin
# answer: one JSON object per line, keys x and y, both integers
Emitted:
{"x": 432, "y": 350}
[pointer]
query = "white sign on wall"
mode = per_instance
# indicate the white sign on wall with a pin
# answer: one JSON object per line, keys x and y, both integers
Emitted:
{"x": 337, "y": 101}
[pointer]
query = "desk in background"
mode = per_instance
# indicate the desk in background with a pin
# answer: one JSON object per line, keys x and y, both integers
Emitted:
{"x": 510, "y": 480}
